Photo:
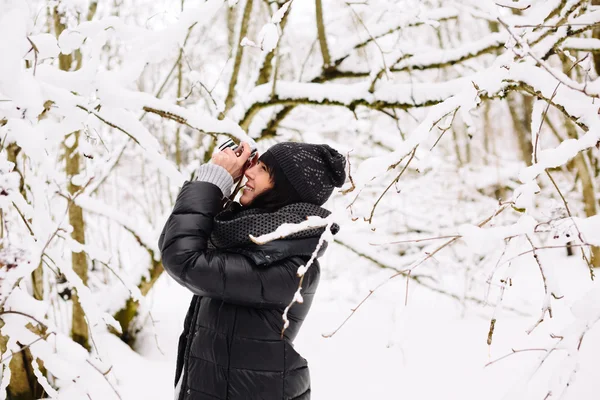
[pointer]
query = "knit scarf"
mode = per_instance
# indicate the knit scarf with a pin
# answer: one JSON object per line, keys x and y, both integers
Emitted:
{"x": 232, "y": 227}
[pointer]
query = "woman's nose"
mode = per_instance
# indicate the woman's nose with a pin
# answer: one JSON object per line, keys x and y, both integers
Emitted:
{"x": 250, "y": 172}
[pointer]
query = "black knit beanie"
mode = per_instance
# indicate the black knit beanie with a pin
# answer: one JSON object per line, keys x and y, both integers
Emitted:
{"x": 304, "y": 172}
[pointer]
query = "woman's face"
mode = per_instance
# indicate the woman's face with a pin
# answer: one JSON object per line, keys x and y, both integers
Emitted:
{"x": 259, "y": 181}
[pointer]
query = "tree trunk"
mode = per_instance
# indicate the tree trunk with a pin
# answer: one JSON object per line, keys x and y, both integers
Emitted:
{"x": 596, "y": 35}
{"x": 23, "y": 383}
{"x": 322, "y": 35}
{"x": 239, "y": 54}
{"x": 522, "y": 124}
{"x": 583, "y": 166}
{"x": 79, "y": 327}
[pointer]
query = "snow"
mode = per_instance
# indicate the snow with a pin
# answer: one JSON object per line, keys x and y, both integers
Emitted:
{"x": 15, "y": 83}
{"x": 46, "y": 45}
{"x": 268, "y": 37}
{"x": 289, "y": 229}
{"x": 278, "y": 16}
{"x": 399, "y": 350}
{"x": 581, "y": 44}
{"x": 466, "y": 235}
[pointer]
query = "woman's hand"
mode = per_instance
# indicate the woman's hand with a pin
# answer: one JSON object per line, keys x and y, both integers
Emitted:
{"x": 232, "y": 162}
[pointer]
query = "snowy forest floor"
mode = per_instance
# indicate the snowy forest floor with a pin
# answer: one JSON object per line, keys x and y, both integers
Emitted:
{"x": 433, "y": 348}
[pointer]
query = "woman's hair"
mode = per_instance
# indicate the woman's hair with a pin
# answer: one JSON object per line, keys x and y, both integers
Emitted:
{"x": 281, "y": 194}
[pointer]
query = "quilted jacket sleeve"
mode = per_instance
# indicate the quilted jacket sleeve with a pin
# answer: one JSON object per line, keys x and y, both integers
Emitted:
{"x": 218, "y": 274}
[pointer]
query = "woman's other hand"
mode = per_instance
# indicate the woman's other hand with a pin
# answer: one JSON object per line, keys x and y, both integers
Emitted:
{"x": 233, "y": 163}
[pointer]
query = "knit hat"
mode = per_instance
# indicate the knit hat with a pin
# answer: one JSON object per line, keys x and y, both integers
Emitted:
{"x": 312, "y": 170}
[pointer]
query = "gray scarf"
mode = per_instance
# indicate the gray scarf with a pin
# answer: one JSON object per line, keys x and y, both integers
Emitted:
{"x": 232, "y": 227}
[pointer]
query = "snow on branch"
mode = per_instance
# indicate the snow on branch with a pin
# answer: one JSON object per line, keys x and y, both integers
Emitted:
{"x": 445, "y": 57}
{"x": 576, "y": 104}
{"x": 581, "y": 44}
{"x": 268, "y": 37}
{"x": 568, "y": 343}
{"x": 147, "y": 46}
{"x": 143, "y": 233}
{"x": 379, "y": 31}
{"x": 405, "y": 59}
{"x": 289, "y": 229}
{"x": 347, "y": 95}
{"x": 326, "y": 236}
{"x": 466, "y": 96}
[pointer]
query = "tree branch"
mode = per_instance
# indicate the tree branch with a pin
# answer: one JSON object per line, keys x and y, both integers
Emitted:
{"x": 322, "y": 35}
{"x": 239, "y": 54}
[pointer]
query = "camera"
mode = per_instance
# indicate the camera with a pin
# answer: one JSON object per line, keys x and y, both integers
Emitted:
{"x": 230, "y": 144}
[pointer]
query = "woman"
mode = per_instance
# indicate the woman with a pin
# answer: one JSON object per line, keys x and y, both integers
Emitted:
{"x": 232, "y": 347}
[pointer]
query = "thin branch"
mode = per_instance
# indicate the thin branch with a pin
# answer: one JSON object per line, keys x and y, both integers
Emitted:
{"x": 579, "y": 234}
{"x": 394, "y": 181}
{"x": 373, "y": 39}
{"x": 542, "y": 63}
{"x": 412, "y": 267}
{"x": 322, "y": 35}
{"x": 444, "y": 130}
{"x": 239, "y": 54}
{"x": 417, "y": 240}
{"x": 23, "y": 348}
{"x": 105, "y": 378}
{"x": 546, "y": 307}
{"x": 24, "y": 219}
{"x": 513, "y": 352}
{"x": 40, "y": 323}
{"x": 544, "y": 115}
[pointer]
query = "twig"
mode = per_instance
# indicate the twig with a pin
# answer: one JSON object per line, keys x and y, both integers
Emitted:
{"x": 353, "y": 310}
{"x": 373, "y": 39}
{"x": 547, "y": 301}
{"x": 24, "y": 219}
{"x": 545, "y": 248}
{"x": 351, "y": 188}
{"x": 411, "y": 268}
{"x": 513, "y": 352}
{"x": 556, "y": 26}
{"x": 444, "y": 130}
{"x": 40, "y": 323}
{"x": 105, "y": 378}
{"x": 35, "y": 54}
{"x": 417, "y": 240}
{"x": 541, "y": 62}
{"x": 579, "y": 235}
{"x": 515, "y": 6}
{"x": 544, "y": 115}
{"x": 23, "y": 348}
{"x": 491, "y": 331}
{"x": 370, "y": 219}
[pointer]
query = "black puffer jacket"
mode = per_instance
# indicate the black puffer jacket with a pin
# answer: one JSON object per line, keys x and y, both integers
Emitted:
{"x": 231, "y": 347}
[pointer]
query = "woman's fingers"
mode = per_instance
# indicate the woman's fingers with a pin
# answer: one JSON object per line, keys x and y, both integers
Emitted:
{"x": 245, "y": 153}
{"x": 233, "y": 161}
{"x": 229, "y": 152}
